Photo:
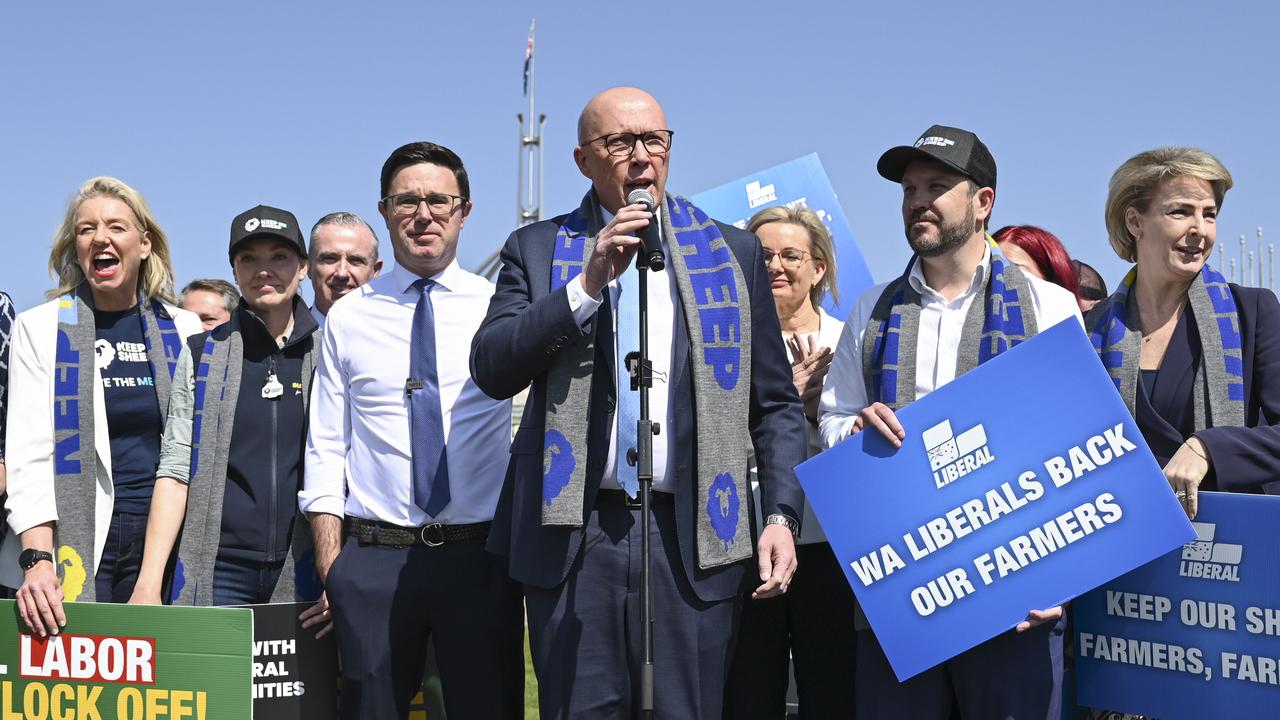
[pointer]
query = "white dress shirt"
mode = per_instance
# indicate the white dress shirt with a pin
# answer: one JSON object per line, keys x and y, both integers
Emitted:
{"x": 358, "y": 453}
{"x": 319, "y": 316}
{"x": 663, "y": 299}
{"x": 844, "y": 394}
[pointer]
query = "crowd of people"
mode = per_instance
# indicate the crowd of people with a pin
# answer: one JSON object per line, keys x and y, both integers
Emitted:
{"x": 231, "y": 445}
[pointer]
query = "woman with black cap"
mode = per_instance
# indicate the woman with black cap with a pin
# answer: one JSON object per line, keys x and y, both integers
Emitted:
{"x": 231, "y": 462}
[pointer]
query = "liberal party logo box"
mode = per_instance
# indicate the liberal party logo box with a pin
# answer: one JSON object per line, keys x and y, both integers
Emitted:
{"x": 798, "y": 183}
{"x": 1019, "y": 486}
{"x": 1196, "y": 633}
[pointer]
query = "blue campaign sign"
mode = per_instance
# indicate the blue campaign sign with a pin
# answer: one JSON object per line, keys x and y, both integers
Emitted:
{"x": 1195, "y": 634}
{"x": 1020, "y": 485}
{"x": 800, "y": 182}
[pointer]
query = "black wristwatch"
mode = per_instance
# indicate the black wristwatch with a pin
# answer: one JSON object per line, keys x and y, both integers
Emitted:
{"x": 31, "y": 556}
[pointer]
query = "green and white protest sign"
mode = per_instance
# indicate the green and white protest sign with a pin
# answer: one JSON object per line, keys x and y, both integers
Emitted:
{"x": 129, "y": 662}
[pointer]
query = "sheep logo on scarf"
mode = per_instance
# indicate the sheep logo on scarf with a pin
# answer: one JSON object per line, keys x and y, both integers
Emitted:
{"x": 1116, "y": 332}
{"x": 72, "y": 573}
{"x": 990, "y": 328}
{"x": 712, "y": 292}
{"x": 723, "y": 507}
{"x": 558, "y": 465}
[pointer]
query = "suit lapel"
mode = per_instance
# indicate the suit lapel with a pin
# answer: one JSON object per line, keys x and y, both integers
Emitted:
{"x": 679, "y": 348}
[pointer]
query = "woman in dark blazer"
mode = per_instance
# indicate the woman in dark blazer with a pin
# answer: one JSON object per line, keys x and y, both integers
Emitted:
{"x": 1197, "y": 359}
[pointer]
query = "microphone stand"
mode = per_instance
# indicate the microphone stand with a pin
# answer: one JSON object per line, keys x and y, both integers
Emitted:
{"x": 641, "y": 456}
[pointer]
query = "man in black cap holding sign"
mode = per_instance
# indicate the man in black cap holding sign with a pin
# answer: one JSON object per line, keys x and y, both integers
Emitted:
{"x": 958, "y": 304}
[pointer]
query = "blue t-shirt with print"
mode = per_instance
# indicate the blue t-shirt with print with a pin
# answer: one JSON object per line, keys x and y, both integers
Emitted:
{"x": 133, "y": 412}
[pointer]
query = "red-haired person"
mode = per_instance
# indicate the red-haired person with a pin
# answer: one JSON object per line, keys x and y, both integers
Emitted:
{"x": 1039, "y": 252}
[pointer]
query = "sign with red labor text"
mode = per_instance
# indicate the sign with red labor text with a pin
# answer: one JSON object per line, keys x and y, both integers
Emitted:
{"x": 129, "y": 662}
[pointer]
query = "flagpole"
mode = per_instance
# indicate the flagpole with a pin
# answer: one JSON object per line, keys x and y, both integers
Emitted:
{"x": 1261, "y": 282}
{"x": 529, "y": 184}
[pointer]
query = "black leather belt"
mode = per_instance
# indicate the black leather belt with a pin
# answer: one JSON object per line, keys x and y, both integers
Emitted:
{"x": 377, "y": 532}
{"x": 605, "y": 496}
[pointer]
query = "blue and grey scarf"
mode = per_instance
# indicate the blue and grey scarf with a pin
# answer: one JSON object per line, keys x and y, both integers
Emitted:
{"x": 74, "y": 455}
{"x": 217, "y": 392}
{"x": 1115, "y": 329}
{"x": 1002, "y": 320}
{"x": 713, "y": 294}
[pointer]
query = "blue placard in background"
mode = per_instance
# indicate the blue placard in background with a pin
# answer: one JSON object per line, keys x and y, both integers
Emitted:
{"x": 799, "y": 182}
{"x": 1195, "y": 634}
{"x": 989, "y": 450}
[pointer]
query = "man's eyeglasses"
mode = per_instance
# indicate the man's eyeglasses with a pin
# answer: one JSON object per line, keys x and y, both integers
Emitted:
{"x": 656, "y": 142}
{"x": 439, "y": 204}
{"x": 790, "y": 259}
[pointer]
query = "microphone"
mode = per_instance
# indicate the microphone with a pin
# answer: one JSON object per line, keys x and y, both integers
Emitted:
{"x": 650, "y": 240}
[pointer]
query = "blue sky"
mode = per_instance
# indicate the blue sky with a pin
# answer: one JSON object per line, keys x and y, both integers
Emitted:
{"x": 209, "y": 109}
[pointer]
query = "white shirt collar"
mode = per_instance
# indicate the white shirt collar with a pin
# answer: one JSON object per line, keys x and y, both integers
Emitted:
{"x": 979, "y": 281}
{"x": 447, "y": 278}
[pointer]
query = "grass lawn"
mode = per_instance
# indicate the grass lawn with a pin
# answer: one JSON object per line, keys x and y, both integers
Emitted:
{"x": 530, "y": 684}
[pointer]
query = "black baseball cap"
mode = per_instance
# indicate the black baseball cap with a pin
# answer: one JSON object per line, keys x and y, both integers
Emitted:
{"x": 958, "y": 149}
{"x": 265, "y": 221}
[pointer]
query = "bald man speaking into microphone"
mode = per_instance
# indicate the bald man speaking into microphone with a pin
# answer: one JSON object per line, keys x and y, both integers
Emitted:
{"x": 563, "y": 317}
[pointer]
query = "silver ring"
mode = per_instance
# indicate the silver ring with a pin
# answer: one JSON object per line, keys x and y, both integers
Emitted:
{"x": 1180, "y": 493}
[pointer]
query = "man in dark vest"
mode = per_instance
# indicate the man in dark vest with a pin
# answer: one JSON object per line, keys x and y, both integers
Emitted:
{"x": 231, "y": 458}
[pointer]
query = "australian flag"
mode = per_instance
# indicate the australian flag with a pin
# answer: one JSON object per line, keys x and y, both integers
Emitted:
{"x": 528, "y": 58}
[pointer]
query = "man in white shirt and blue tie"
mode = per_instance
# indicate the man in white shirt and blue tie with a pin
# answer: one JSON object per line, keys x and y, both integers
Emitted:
{"x": 405, "y": 460}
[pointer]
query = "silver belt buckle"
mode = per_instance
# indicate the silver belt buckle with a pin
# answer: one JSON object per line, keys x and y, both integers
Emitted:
{"x": 432, "y": 535}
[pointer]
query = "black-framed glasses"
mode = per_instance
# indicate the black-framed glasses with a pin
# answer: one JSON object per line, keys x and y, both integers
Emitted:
{"x": 790, "y": 258}
{"x": 440, "y": 204}
{"x": 656, "y": 142}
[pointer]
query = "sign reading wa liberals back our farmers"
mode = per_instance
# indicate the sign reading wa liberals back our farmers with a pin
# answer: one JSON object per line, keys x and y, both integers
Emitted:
{"x": 128, "y": 662}
{"x": 1020, "y": 485}
{"x": 1195, "y": 634}
{"x": 799, "y": 183}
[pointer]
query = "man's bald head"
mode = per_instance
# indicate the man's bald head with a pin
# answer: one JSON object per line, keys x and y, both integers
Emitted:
{"x": 621, "y": 110}
{"x": 597, "y": 108}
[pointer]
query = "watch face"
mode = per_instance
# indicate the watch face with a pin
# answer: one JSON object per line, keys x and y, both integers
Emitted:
{"x": 30, "y": 557}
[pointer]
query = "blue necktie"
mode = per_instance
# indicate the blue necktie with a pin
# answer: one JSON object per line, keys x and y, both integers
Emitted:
{"x": 426, "y": 422}
{"x": 627, "y": 333}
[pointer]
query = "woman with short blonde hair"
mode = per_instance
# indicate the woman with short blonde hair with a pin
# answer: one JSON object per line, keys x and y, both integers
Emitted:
{"x": 1196, "y": 359}
{"x": 89, "y": 379}
{"x": 1136, "y": 181}
{"x": 821, "y": 246}
{"x": 155, "y": 277}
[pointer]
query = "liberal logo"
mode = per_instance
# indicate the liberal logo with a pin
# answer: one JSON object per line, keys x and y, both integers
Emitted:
{"x": 757, "y": 195}
{"x": 951, "y": 457}
{"x": 1209, "y": 560}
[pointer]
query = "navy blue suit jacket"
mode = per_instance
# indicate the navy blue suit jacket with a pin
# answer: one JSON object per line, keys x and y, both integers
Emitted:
{"x": 528, "y": 325}
{"x": 1245, "y": 459}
